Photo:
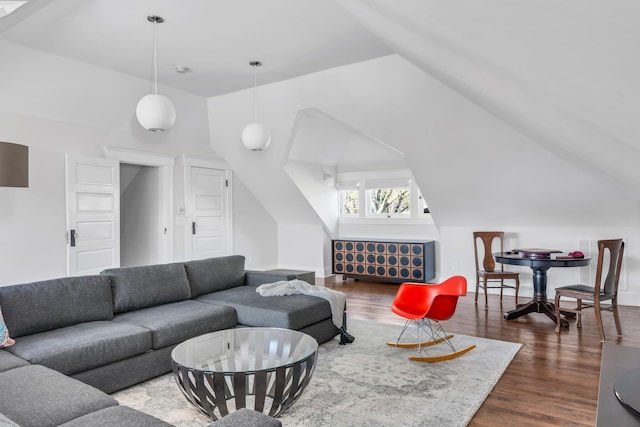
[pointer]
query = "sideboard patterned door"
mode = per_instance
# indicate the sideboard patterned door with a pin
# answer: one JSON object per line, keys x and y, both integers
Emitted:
{"x": 391, "y": 261}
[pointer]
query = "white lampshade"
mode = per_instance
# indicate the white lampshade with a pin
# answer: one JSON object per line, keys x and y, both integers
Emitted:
{"x": 256, "y": 136}
{"x": 156, "y": 112}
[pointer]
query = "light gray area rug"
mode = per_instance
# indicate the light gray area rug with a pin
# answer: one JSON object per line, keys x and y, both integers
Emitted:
{"x": 364, "y": 384}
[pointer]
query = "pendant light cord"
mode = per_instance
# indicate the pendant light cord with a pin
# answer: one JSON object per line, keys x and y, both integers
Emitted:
{"x": 255, "y": 89}
{"x": 155, "y": 64}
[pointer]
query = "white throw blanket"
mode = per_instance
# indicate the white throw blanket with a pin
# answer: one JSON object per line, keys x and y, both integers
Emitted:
{"x": 337, "y": 299}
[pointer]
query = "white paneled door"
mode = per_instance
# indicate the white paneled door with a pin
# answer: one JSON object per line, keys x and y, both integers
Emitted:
{"x": 207, "y": 211}
{"x": 93, "y": 214}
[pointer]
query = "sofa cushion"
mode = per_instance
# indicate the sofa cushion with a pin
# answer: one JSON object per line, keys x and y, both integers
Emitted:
{"x": 41, "y": 306}
{"x": 173, "y": 323}
{"x": 291, "y": 311}
{"x": 5, "y": 339}
{"x": 215, "y": 274}
{"x": 10, "y": 361}
{"x": 84, "y": 346}
{"x": 147, "y": 286}
{"x": 116, "y": 416}
{"x": 40, "y": 397}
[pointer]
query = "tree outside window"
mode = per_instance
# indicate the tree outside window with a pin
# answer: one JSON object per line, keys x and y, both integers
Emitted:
{"x": 390, "y": 201}
{"x": 350, "y": 201}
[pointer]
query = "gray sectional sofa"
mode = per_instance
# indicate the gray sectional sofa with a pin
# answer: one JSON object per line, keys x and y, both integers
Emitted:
{"x": 98, "y": 334}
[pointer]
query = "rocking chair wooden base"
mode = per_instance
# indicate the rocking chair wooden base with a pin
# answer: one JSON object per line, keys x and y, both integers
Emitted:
{"x": 419, "y": 344}
{"x": 448, "y": 356}
{"x": 431, "y": 359}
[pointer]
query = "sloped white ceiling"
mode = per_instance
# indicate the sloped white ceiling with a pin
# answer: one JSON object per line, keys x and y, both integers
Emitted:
{"x": 472, "y": 167}
{"x": 564, "y": 73}
{"x": 321, "y": 139}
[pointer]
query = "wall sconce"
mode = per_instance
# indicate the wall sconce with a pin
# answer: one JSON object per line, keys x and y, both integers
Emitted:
{"x": 14, "y": 165}
{"x": 329, "y": 180}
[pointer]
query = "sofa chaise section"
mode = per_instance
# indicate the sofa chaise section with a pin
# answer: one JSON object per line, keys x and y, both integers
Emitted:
{"x": 224, "y": 281}
{"x": 291, "y": 311}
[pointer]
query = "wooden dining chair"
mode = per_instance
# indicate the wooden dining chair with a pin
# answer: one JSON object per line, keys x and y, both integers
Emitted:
{"x": 486, "y": 272}
{"x": 603, "y": 290}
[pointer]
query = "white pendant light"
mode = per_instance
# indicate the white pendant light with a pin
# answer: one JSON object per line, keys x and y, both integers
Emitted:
{"x": 155, "y": 112}
{"x": 255, "y": 136}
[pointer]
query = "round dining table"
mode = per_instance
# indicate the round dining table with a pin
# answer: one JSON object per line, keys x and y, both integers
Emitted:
{"x": 539, "y": 261}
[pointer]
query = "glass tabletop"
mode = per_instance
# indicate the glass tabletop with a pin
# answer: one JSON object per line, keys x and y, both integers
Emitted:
{"x": 244, "y": 350}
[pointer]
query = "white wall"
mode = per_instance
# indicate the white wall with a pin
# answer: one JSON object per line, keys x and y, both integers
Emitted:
{"x": 57, "y": 106}
{"x": 255, "y": 232}
{"x": 308, "y": 177}
{"x": 475, "y": 170}
{"x": 302, "y": 247}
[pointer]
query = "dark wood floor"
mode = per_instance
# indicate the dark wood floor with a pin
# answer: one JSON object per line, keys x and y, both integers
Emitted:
{"x": 552, "y": 381}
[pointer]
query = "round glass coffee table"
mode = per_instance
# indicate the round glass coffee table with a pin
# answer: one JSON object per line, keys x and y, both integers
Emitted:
{"x": 265, "y": 369}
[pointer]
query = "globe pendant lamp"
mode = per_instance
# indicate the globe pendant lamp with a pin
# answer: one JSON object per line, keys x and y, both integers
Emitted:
{"x": 255, "y": 136}
{"x": 155, "y": 112}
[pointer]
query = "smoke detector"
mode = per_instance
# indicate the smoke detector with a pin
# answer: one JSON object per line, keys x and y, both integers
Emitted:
{"x": 182, "y": 69}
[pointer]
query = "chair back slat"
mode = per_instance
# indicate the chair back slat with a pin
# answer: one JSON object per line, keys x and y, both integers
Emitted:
{"x": 487, "y": 238}
{"x": 614, "y": 248}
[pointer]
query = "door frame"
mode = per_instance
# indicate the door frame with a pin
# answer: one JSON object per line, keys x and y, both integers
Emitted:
{"x": 165, "y": 164}
{"x": 190, "y": 162}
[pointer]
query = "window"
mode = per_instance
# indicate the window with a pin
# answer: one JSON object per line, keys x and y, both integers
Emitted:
{"x": 350, "y": 201}
{"x": 388, "y": 197}
{"x": 379, "y": 195}
{"x": 389, "y": 201}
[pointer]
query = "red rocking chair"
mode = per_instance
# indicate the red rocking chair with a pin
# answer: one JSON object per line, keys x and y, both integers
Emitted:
{"x": 427, "y": 305}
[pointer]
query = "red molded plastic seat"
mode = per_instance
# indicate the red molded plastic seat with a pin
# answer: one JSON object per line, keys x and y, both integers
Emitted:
{"x": 423, "y": 303}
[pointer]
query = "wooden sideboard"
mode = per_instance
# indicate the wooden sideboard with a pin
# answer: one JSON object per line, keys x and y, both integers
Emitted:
{"x": 384, "y": 260}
